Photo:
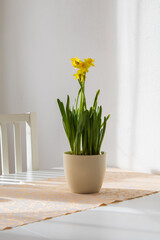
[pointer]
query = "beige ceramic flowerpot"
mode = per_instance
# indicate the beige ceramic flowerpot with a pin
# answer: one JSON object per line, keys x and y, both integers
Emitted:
{"x": 84, "y": 174}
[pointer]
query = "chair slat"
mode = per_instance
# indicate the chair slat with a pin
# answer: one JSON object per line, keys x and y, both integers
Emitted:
{"x": 9, "y": 118}
{"x": 4, "y": 149}
{"x": 32, "y": 143}
{"x": 17, "y": 147}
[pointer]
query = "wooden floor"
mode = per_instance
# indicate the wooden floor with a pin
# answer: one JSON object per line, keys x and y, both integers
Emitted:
{"x": 135, "y": 219}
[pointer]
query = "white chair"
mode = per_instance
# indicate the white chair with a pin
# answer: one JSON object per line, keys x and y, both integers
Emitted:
{"x": 31, "y": 141}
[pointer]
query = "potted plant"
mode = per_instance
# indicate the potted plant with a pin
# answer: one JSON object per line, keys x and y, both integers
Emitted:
{"x": 84, "y": 164}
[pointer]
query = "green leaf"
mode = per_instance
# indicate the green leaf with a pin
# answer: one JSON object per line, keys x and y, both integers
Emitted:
{"x": 62, "y": 110}
{"x": 65, "y": 122}
{"x": 102, "y": 132}
{"x": 95, "y": 99}
{"x": 108, "y": 117}
{"x": 67, "y": 104}
{"x": 78, "y": 98}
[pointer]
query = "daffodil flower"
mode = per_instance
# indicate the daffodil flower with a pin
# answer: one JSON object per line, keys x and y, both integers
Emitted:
{"x": 76, "y": 62}
{"x": 82, "y": 67}
{"x": 89, "y": 62}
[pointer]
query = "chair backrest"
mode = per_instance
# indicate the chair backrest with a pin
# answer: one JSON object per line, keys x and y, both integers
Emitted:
{"x": 31, "y": 141}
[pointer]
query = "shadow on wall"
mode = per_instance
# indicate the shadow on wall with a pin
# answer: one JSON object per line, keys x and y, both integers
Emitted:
{"x": 128, "y": 58}
{"x": 110, "y": 83}
{"x": 138, "y": 85}
{"x": 136, "y": 72}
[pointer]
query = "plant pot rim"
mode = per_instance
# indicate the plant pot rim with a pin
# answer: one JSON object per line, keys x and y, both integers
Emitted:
{"x": 69, "y": 153}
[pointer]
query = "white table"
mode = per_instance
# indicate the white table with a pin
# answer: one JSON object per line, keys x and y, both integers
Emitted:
{"x": 135, "y": 219}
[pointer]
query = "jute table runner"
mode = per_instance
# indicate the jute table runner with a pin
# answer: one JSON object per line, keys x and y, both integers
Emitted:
{"x": 40, "y": 200}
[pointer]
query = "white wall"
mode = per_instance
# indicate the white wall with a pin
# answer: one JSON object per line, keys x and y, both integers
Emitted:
{"x": 38, "y": 38}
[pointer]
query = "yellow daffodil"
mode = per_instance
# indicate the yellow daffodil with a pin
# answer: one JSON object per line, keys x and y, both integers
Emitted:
{"x": 79, "y": 121}
{"x": 76, "y": 76}
{"x": 76, "y": 62}
{"x": 82, "y": 66}
{"x": 89, "y": 62}
{"x": 79, "y": 75}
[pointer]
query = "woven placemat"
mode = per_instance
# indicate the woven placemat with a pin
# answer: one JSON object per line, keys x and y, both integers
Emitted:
{"x": 31, "y": 202}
